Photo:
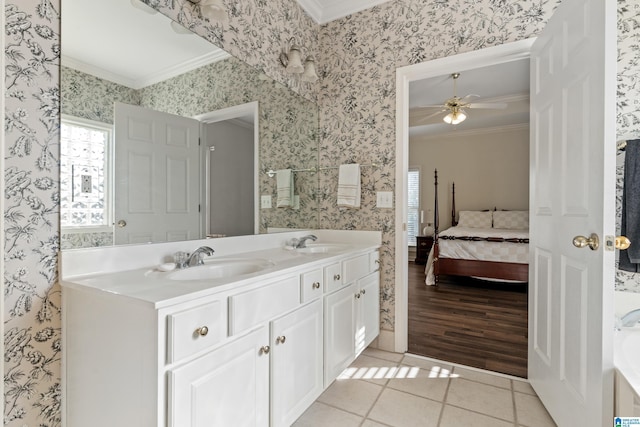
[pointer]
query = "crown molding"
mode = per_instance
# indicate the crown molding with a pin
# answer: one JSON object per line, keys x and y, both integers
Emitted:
{"x": 149, "y": 79}
{"x": 326, "y": 11}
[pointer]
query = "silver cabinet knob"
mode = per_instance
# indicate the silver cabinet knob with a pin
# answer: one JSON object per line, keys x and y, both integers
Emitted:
{"x": 281, "y": 339}
{"x": 202, "y": 331}
{"x": 315, "y": 285}
{"x": 357, "y": 295}
{"x": 122, "y": 223}
{"x": 363, "y": 291}
{"x": 592, "y": 241}
{"x": 336, "y": 277}
{"x": 265, "y": 349}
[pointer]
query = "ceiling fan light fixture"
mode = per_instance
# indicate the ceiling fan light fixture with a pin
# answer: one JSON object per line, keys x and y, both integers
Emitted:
{"x": 455, "y": 117}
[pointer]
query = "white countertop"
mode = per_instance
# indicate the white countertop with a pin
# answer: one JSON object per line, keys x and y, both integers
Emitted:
{"x": 143, "y": 281}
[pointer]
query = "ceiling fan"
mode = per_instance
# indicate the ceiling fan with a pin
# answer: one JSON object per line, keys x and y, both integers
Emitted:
{"x": 456, "y": 107}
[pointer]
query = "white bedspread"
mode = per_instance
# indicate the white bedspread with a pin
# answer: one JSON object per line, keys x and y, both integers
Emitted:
{"x": 481, "y": 250}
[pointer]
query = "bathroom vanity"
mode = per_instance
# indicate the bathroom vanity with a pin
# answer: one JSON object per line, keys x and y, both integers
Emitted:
{"x": 249, "y": 345}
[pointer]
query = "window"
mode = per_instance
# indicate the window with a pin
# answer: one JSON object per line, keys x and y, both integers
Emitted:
{"x": 413, "y": 209}
{"x": 84, "y": 174}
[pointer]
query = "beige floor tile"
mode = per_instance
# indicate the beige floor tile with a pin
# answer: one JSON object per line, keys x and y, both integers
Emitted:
{"x": 523, "y": 387}
{"x": 531, "y": 412}
{"x": 443, "y": 369}
{"x": 456, "y": 417}
{"x": 400, "y": 409}
{"x": 421, "y": 381}
{"x": 482, "y": 377}
{"x": 486, "y": 399}
{"x": 351, "y": 395}
{"x": 369, "y": 423}
{"x": 321, "y": 415}
{"x": 381, "y": 354}
{"x": 370, "y": 369}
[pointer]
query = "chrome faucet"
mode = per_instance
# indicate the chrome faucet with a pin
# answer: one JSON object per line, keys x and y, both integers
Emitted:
{"x": 302, "y": 242}
{"x": 197, "y": 256}
{"x": 631, "y": 318}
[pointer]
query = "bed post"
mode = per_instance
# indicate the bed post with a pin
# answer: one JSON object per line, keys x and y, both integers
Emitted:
{"x": 453, "y": 206}
{"x": 436, "y": 224}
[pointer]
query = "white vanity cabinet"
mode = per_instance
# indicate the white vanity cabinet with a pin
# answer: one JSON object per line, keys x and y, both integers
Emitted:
{"x": 351, "y": 313}
{"x": 253, "y": 354}
{"x": 296, "y": 363}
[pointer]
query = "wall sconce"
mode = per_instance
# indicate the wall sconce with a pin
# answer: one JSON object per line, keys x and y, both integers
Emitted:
{"x": 213, "y": 10}
{"x": 292, "y": 61}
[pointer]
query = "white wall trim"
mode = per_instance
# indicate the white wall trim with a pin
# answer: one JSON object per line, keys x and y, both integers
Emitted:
{"x": 480, "y": 58}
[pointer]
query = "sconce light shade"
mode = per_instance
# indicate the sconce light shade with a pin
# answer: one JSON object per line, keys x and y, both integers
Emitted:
{"x": 309, "y": 74}
{"x": 213, "y": 10}
{"x": 455, "y": 117}
{"x": 294, "y": 65}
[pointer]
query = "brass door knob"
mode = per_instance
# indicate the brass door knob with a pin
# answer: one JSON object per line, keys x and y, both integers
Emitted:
{"x": 622, "y": 243}
{"x": 202, "y": 331}
{"x": 122, "y": 223}
{"x": 592, "y": 241}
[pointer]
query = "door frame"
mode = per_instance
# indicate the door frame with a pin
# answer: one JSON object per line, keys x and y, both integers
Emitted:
{"x": 480, "y": 58}
{"x": 237, "y": 111}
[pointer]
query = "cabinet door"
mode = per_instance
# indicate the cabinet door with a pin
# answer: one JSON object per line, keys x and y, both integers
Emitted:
{"x": 296, "y": 363}
{"x": 339, "y": 325}
{"x": 367, "y": 311}
{"x": 226, "y": 387}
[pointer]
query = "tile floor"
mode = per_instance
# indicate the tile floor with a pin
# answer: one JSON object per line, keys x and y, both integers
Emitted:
{"x": 391, "y": 389}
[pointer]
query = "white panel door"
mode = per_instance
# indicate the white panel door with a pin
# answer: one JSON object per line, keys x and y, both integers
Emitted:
{"x": 296, "y": 363}
{"x": 226, "y": 387}
{"x": 157, "y": 184}
{"x": 339, "y": 327}
{"x": 573, "y": 67}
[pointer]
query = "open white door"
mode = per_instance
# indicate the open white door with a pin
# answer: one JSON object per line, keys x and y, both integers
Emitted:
{"x": 157, "y": 169}
{"x": 573, "y": 66}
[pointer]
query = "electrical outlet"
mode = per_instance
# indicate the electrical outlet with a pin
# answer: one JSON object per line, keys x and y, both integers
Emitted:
{"x": 265, "y": 202}
{"x": 384, "y": 199}
{"x": 85, "y": 183}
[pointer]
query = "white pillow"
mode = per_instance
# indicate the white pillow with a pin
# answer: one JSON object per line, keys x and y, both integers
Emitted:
{"x": 475, "y": 219}
{"x": 512, "y": 220}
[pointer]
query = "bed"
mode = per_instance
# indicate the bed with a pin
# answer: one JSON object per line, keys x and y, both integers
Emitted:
{"x": 490, "y": 244}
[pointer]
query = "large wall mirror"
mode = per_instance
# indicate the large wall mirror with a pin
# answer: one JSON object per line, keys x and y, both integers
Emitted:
{"x": 163, "y": 130}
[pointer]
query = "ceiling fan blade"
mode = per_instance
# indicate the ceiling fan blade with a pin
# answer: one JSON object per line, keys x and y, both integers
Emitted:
{"x": 419, "y": 107}
{"x": 489, "y": 105}
{"x": 426, "y": 118}
{"x": 468, "y": 97}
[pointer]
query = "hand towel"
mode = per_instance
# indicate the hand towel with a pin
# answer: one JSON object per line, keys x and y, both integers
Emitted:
{"x": 284, "y": 183}
{"x": 349, "y": 186}
{"x": 630, "y": 227}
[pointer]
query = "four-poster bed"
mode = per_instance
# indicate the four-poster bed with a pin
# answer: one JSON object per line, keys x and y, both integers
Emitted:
{"x": 487, "y": 244}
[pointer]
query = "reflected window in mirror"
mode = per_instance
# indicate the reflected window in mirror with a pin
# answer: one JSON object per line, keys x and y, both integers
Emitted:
{"x": 85, "y": 204}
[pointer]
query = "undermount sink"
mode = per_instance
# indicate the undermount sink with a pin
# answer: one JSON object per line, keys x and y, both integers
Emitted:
{"x": 321, "y": 248}
{"x": 220, "y": 269}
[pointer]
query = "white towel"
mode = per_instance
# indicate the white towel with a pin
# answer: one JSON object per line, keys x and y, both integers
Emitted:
{"x": 284, "y": 182}
{"x": 349, "y": 186}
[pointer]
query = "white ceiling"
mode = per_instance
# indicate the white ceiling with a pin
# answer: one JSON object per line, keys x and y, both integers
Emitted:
{"x": 323, "y": 11}
{"x": 504, "y": 83}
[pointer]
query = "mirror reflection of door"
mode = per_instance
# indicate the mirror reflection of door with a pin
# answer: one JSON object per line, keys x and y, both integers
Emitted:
{"x": 229, "y": 177}
{"x": 157, "y": 183}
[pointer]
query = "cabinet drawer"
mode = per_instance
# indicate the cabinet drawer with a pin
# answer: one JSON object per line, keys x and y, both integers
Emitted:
{"x": 333, "y": 277}
{"x": 311, "y": 285}
{"x": 195, "y": 329}
{"x": 266, "y": 302}
{"x": 355, "y": 268}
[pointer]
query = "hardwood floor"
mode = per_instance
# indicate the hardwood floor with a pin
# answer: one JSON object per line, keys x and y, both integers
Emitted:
{"x": 468, "y": 321}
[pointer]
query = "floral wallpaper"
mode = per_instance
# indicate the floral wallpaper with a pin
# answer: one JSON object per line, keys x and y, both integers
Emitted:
{"x": 32, "y": 390}
{"x": 628, "y": 111}
{"x": 288, "y": 125}
{"x": 357, "y": 57}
